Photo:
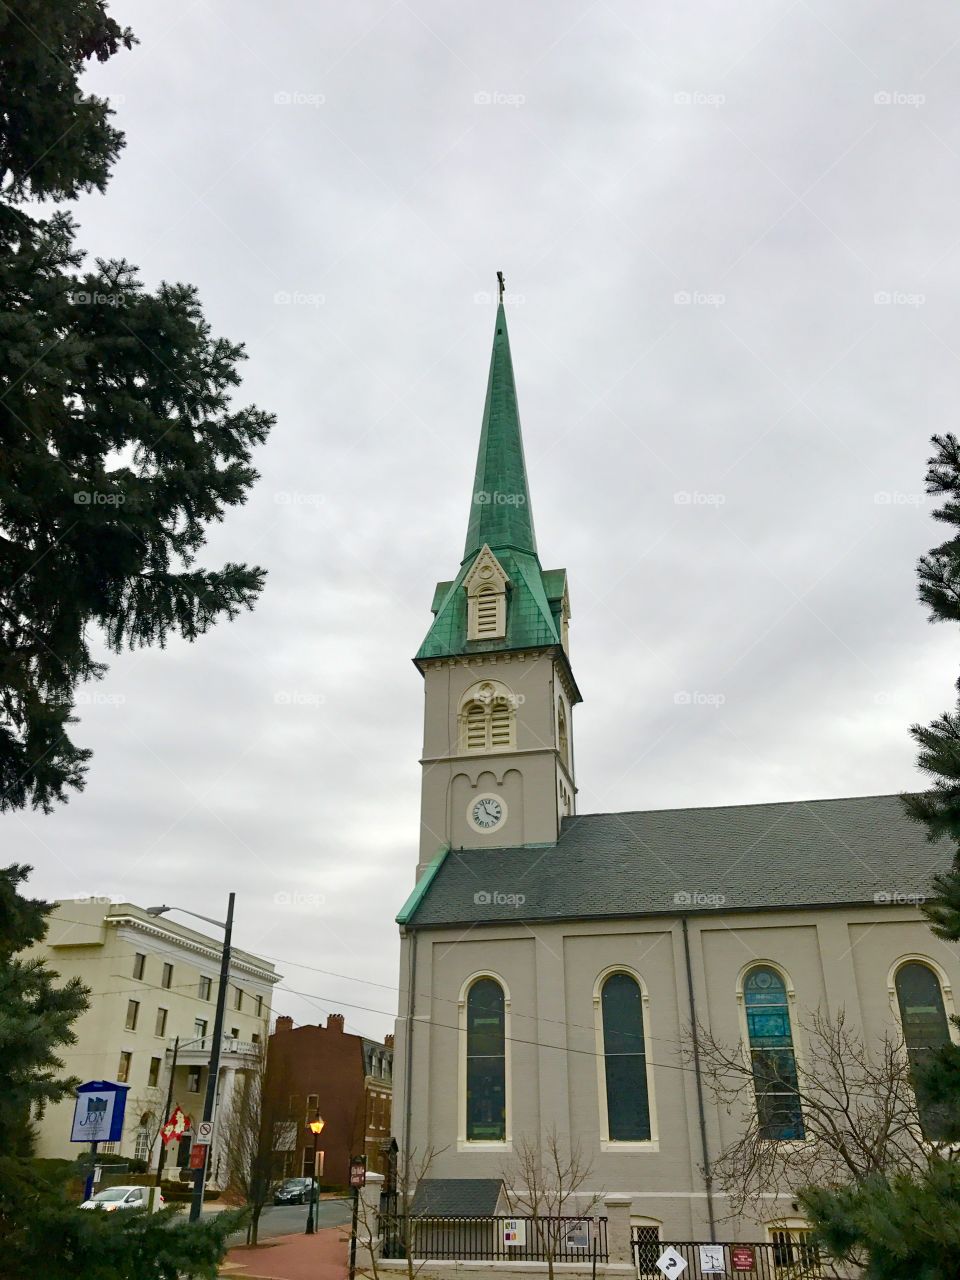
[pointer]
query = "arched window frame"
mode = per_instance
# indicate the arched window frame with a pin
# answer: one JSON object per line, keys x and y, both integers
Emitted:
{"x": 477, "y": 706}
{"x": 946, "y": 991}
{"x": 798, "y": 1052}
{"x": 563, "y": 734}
{"x": 462, "y": 1142}
{"x": 606, "y": 1142}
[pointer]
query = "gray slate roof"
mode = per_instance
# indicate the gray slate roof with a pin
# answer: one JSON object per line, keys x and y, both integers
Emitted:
{"x": 756, "y": 857}
{"x": 456, "y": 1197}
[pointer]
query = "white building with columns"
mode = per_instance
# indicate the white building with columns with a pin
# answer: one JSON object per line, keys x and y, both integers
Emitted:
{"x": 153, "y": 981}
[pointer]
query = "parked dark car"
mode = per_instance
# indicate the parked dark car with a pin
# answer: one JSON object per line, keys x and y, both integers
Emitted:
{"x": 292, "y": 1191}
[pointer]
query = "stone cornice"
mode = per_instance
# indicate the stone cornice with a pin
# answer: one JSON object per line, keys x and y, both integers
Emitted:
{"x": 238, "y": 959}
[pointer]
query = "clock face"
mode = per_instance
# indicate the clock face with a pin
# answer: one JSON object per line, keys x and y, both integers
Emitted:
{"x": 487, "y": 813}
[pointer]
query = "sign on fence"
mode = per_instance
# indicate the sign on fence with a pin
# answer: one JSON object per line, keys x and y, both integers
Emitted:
{"x": 514, "y": 1233}
{"x": 711, "y": 1260}
{"x": 743, "y": 1258}
{"x": 578, "y": 1235}
{"x": 670, "y": 1262}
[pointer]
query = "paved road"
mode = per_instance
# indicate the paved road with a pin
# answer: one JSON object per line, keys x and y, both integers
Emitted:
{"x": 284, "y": 1219}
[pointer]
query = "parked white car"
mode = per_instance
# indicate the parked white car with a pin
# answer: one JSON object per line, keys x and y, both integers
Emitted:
{"x": 120, "y": 1198}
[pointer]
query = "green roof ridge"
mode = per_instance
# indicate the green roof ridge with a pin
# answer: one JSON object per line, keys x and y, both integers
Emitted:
{"x": 500, "y": 512}
{"x": 405, "y": 914}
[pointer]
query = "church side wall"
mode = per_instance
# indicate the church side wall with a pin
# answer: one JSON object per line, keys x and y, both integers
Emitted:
{"x": 833, "y": 959}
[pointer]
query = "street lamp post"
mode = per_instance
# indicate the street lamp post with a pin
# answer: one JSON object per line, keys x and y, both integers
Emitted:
{"x": 209, "y": 1102}
{"x": 316, "y": 1128}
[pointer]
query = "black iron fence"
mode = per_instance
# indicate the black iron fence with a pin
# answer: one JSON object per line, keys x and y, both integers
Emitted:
{"x": 792, "y": 1256}
{"x": 494, "y": 1238}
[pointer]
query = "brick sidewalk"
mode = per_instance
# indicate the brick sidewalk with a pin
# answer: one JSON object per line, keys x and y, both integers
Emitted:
{"x": 322, "y": 1256}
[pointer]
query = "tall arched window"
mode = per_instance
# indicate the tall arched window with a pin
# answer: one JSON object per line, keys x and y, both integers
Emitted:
{"x": 486, "y": 1063}
{"x": 925, "y": 1027}
{"x": 624, "y": 1059}
{"x": 772, "y": 1056}
{"x": 563, "y": 740}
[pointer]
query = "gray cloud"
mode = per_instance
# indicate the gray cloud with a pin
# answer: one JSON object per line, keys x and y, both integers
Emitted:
{"x": 793, "y": 170}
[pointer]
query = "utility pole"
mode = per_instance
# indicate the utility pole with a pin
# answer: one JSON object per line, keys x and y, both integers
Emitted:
{"x": 213, "y": 1071}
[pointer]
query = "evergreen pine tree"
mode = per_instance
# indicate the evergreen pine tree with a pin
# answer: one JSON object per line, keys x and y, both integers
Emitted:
{"x": 118, "y": 440}
{"x": 910, "y": 1226}
{"x": 35, "y": 1017}
{"x": 118, "y": 447}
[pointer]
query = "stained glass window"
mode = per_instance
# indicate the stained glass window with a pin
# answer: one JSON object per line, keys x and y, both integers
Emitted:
{"x": 925, "y": 1026}
{"x": 486, "y": 1063}
{"x": 625, "y": 1060}
{"x": 772, "y": 1056}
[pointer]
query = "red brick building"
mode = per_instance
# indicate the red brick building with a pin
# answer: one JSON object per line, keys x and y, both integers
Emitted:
{"x": 348, "y": 1079}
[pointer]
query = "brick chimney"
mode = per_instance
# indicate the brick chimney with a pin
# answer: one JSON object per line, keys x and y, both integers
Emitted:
{"x": 335, "y": 1022}
{"x": 388, "y": 1042}
{"x": 284, "y": 1024}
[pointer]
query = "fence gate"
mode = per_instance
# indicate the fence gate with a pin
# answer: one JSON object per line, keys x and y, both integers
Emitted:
{"x": 791, "y": 1257}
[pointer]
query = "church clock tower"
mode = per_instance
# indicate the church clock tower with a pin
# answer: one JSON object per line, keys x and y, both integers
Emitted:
{"x": 498, "y": 747}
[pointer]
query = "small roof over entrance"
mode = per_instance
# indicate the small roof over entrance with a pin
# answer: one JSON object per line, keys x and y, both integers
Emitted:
{"x": 457, "y": 1197}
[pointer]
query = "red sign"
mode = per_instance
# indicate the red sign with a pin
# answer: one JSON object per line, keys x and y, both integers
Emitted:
{"x": 358, "y": 1171}
{"x": 198, "y": 1155}
{"x": 742, "y": 1257}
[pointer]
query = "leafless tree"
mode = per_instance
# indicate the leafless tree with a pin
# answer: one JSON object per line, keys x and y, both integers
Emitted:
{"x": 253, "y": 1133}
{"x": 857, "y": 1103}
{"x": 395, "y": 1224}
{"x": 543, "y": 1182}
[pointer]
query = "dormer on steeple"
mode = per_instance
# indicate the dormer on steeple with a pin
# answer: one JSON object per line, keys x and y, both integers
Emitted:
{"x": 486, "y": 587}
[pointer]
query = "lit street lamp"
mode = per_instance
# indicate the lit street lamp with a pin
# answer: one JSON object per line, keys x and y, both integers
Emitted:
{"x": 209, "y": 1102}
{"x": 316, "y": 1128}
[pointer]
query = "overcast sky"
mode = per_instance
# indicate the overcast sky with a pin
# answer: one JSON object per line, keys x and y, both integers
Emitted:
{"x": 732, "y": 252}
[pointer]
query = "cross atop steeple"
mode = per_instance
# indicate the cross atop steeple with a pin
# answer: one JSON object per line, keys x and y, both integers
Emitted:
{"x": 502, "y": 283}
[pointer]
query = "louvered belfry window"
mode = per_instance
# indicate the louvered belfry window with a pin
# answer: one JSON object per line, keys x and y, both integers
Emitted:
{"x": 487, "y": 611}
{"x": 476, "y": 726}
{"x": 487, "y": 724}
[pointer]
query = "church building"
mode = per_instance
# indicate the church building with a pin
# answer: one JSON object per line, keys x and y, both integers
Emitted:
{"x": 554, "y": 964}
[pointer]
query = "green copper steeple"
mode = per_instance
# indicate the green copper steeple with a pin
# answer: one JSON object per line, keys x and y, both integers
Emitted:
{"x": 501, "y": 519}
{"x": 500, "y": 514}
